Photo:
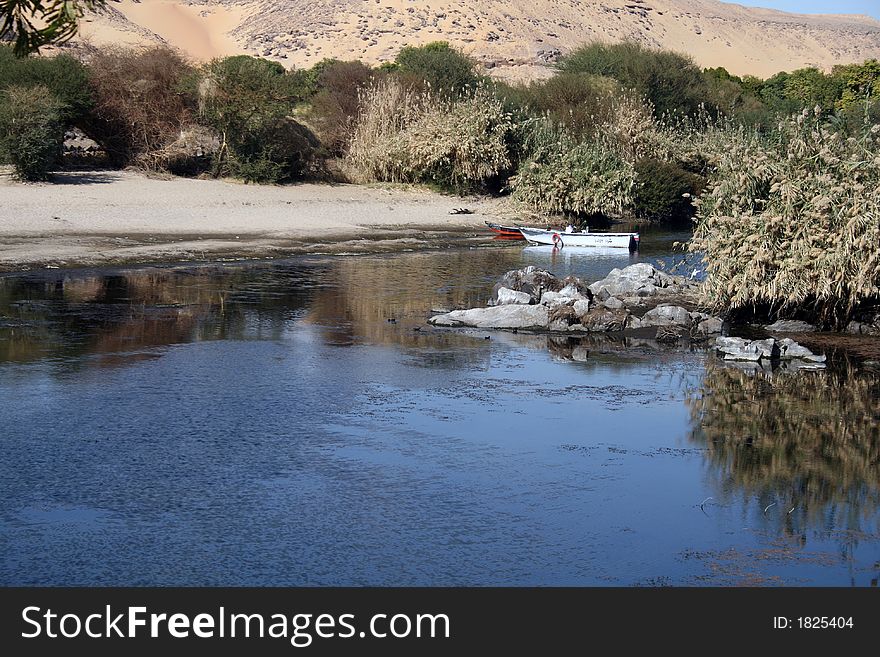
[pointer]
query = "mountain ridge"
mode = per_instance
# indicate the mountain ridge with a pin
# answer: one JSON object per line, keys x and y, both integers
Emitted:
{"x": 511, "y": 38}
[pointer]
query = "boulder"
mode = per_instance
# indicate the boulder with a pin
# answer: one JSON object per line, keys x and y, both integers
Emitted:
{"x": 581, "y": 307}
{"x": 667, "y": 316}
{"x": 789, "y": 349}
{"x": 531, "y": 280}
{"x": 790, "y": 326}
{"x": 510, "y": 316}
{"x": 638, "y": 280}
{"x": 633, "y": 322}
{"x": 742, "y": 349}
{"x": 861, "y": 328}
{"x": 613, "y": 303}
{"x": 767, "y": 348}
{"x": 710, "y": 326}
{"x": 505, "y": 296}
{"x": 572, "y": 286}
{"x": 550, "y": 298}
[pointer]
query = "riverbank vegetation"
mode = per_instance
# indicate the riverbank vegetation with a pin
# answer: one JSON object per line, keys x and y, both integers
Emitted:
{"x": 780, "y": 174}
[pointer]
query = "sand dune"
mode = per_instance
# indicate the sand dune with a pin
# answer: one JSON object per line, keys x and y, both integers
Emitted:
{"x": 201, "y": 31}
{"x": 513, "y": 38}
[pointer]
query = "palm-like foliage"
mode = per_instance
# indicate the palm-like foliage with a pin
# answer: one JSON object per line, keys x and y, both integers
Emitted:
{"x": 36, "y": 23}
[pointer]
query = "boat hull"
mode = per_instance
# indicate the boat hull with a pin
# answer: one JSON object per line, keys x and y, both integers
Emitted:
{"x": 505, "y": 232}
{"x": 562, "y": 239}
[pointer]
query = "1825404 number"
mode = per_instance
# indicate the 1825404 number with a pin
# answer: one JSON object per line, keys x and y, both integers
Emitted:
{"x": 824, "y": 622}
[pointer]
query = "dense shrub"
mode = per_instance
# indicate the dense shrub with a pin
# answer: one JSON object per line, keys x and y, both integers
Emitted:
{"x": 281, "y": 151}
{"x": 793, "y": 222}
{"x": 565, "y": 176}
{"x": 664, "y": 191}
{"x": 31, "y": 130}
{"x": 672, "y": 82}
{"x": 141, "y": 102}
{"x": 190, "y": 154}
{"x": 405, "y": 135}
{"x": 335, "y": 104}
{"x": 577, "y": 100}
{"x": 64, "y": 76}
{"x": 788, "y": 93}
{"x": 249, "y": 102}
{"x": 737, "y": 98}
{"x": 444, "y": 69}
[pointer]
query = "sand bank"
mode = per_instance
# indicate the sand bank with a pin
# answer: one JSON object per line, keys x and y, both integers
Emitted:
{"x": 108, "y": 217}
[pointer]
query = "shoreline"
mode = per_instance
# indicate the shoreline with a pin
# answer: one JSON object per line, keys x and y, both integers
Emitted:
{"x": 111, "y": 218}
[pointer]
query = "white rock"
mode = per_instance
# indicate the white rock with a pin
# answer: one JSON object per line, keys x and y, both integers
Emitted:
{"x": 742, "y": 349}
{"x": 667, "y": 316}
{"x": 581, "y": 307}
{"x": 507, "y": 296}
{"x": 509, "y": 316}
{"x": 549, "y": 298}
{"x": 788, "y": 348}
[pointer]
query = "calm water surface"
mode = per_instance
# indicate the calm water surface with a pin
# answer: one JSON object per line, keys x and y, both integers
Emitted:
{"x": 268, "y": 424}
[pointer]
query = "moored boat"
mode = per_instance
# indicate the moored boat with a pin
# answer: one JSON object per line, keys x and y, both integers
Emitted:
{"x": 560, "y": 238}
{"x": 505, "y": 232}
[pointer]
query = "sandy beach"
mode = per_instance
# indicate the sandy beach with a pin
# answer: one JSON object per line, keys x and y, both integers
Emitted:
{"x": 89, "y": 218}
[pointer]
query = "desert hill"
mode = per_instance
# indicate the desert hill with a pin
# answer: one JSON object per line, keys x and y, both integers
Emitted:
{"x": 513, "y": 38}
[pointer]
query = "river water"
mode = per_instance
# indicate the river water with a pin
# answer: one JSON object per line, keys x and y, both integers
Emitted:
{"x": 297, "y": 422}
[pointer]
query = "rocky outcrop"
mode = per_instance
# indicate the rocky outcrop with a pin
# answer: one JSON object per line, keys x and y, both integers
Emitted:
{"x": 532, "y": 298}
{"x": 529, "y": 280}
{"x": 863, "y": 328}
{"x": 770, "y": 349}
{"x": 638, "y": 281}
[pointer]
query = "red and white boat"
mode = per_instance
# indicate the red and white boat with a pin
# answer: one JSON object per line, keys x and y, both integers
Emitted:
{"x": 561, "y": 238}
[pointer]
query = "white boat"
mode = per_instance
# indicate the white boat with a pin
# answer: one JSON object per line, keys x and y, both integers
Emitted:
{"x": 560, "y": 238}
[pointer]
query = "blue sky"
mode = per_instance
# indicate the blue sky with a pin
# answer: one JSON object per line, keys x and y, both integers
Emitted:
{"x": 870, "y": 7}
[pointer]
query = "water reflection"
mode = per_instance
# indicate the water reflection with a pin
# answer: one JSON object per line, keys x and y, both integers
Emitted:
{"x": 454, "y": 456}
{"x": 352, "y": 300}
{"x": 802, "y": 450}
{"x": 67, "y": 315}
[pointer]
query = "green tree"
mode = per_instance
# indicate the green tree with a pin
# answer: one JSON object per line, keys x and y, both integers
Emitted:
{"x": 64, "y": 76}
{"x": 860, "y": 83}
{"x": 445, "y": 69}
{"x": 736, "y": 97}
{"x": 36, "y": 23}
{"x": 664, "y": 191}
{"x": 580, "y": 101}
{"x": 788, "y": 93}
{"x": 249, "y": 101}
{"x": 809, "y": 87}
{"x": 671, "y": 81}
{"x": 31, "y": 130}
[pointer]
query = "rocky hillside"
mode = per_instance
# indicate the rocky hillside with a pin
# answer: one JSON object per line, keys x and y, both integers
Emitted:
{"x": 515, "y": 38}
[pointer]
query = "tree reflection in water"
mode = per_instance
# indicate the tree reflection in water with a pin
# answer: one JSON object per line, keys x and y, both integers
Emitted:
{"x": 801, "y": 449}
